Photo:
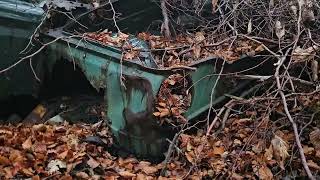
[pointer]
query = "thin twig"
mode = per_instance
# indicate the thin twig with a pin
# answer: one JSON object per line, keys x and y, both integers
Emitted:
{"x": 294, "y": 125}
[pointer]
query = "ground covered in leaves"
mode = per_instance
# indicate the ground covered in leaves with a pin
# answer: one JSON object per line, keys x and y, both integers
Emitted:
{"x": 182, "y": 50}
{"x": 251, "y": 146}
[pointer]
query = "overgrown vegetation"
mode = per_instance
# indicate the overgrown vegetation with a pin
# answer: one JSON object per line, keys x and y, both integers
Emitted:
{"x": 271, "y": 132}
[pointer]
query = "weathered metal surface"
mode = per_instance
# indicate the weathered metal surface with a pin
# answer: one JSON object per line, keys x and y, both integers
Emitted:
{"x": 130, "y": 103}
{"x": 18, "y": 20}
{"x": 130, "y": 106}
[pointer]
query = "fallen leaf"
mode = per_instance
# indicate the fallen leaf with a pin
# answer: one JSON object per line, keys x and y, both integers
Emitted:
{"x": 163, "y": 112}
{"x": 280, "y": 31}
{"x": 214, "y": 4}
{"x": 197, "y": 51}
{"x": 129, "y": 55}
{"x": 27, "y": 143}
{"x": 27, "y": 172}
{"x": 82, "y": 175}
{"x": 259, "y": 48}
{"x": 218, "y": 150}
{"x": 93, "y": 163}
{"x": 162, "y": 104}
{"x": 4, "y": 160}
{"x": 313, "y": 165}
{"x": 16, "y": 156}
{"x": 149, "y": 170}
{"x": 280, "y": 150}
{"x": 63, "y": 155}
{"x": 126, "y": 174}
{"x": 315, "y": 138}
{"x": 37, "y": 177}
{"x": 265, "y": 173}
{"x": 199, "y": 37}
{"x": 189, "y": 157}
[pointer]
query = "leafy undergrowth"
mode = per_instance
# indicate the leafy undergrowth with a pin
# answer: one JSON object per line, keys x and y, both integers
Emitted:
{"x": 247, "y": 148}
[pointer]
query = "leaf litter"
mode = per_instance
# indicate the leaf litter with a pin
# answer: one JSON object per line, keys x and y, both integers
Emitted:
{"x": 182, "y": 50}
{"x": 247, "y": 148}
{"x": 250, "y": 146}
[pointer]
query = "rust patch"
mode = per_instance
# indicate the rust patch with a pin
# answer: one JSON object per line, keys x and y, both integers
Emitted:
{"x": 141, "y": 129}
{"x": 143, "y": 85}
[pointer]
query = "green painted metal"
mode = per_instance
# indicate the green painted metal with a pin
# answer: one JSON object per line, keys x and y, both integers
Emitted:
{"x": 130, "y": 87}
{"x": 129, "y": 107}
{"x": 18, "y": 20}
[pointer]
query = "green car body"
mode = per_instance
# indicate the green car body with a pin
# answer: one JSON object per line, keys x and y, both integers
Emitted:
{"x": 18, "y": 21}
{"x": 129, "y": 110}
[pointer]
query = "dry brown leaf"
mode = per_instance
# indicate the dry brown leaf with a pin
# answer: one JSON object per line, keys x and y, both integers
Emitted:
{"x": 313, "y": 165}
{"x": 149, "y": 170}
{"x": 214, "y": 4}
{"x": 236, "y": 176}
{"x": 269, "y": 153}
{"x": 27, "y": 172}
{"x": 315, "y": 138}
{"x": 37, "y": 177}
{"x": 265, "y": 173}
{"x": 82, "y": 175}
{"x": 184, "y": 138}
{"x": 218, "y": 150}
{"x": 40, "y": 148}
{"x": 308, "y": 150}
{"x": 189, "y": 157}
{"x": 162, "y": 104}
{"x": 5, "y": 131}
{"x": 197, "y": 51}
{"x": 303, "y": 55}
{"x": 27, "y": 143}
{"x": 123, "y": 35}
{"x": 129, "y": 55}
{"x": 280, "y": 150}
{"x": 259, "y": 48}
{"x": 93, "y": 163}
{"x": 16, "y": 156}
{"x": 4, "y": 160}
{"x": 156, "y": 114}
{"x": 141, "y": 176}
{"x": 280, "y": 30}
{"x": 127, "y": 174}
{"x": 163, "y": 112}
{"x": 171, "y": 82}
{"x": 199, "y": 37}
{"x": 63, "y": 155}
{"x": 258, "y": 148}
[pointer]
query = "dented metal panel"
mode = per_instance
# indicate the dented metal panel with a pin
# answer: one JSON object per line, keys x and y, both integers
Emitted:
{"x": 131, "y": 87}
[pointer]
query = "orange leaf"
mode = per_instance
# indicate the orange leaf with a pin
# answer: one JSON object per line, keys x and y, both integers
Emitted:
{"x": 218, "y": 150}
{"x": 63, "y": 155}
{"x": 27, "y": 172}
{"x": 4, "y": 160}
{"x": 82, "y": 175}
{"x": 162, "y": 104}
{"x": 265, "y": 173}
{"x": 127, "y": 174}
{"x": 27, "y": 144}
{"x": 156, "y": 114}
